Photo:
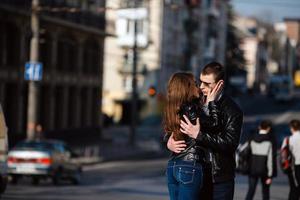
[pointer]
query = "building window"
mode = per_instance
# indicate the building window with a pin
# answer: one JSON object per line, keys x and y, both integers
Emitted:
{"x": 67, "y": 54}
{"x": 45, "y": 51}
{"x": 125, "y": 27}
{"x": 133, "y": 4}
{"x": 130, "y": 26}
{"x": 13, "y": 46}
{"x": 91, "y": 57}
{"x": 2, "y": 44}
{"x": 127, "y": 84}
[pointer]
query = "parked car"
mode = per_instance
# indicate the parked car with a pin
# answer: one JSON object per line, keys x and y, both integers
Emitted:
{"x": 3, "y": 152}
{"x": 42, "y": 159}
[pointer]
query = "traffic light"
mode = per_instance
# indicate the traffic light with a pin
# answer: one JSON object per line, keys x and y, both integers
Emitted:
{"x": 151, "y": 91}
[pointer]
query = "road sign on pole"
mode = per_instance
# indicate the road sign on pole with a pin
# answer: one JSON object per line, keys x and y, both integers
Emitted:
{"x": 33, "y": 71}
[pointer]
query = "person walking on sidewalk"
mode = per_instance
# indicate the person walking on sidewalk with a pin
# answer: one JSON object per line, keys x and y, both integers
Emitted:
{"x": 185, "y": 168}
{"x": 221, "y": 144}
{"x": 293, "y": 171}
{"x": 261, "y": 161}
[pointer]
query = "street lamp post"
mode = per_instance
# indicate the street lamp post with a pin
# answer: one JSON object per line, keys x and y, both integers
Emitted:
{"x": 33, "y": 87}
{"x": 134, "y": 97}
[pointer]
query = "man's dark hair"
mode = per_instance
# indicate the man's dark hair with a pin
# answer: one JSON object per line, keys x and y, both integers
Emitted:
{"x": 265, "y": 124}
{"x": 295, "y": 124}
{"x": 214, "y": 68}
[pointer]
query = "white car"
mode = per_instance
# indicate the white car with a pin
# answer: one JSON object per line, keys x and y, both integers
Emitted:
{"x": 40, "y": 159}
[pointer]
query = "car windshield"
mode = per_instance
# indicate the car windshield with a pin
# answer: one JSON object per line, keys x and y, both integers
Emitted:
{"x": 35, "y": 145}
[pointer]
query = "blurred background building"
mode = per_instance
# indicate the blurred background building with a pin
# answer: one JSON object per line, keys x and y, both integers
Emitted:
{"x": 269, "y": 50}
{"x": 172, "y": 35}
{"x": 87, "y": 76}
{"x": 71, "y": 46}
{"x": 270, "y": 41}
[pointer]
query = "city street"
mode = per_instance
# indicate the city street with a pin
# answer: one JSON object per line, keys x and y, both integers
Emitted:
{"x": 93, "y": 85}
{"x": 260, "y": 107}
{"x": 144, "y": 179}
{"x": 114, "y": 180}
{"x": 126, "y": 180}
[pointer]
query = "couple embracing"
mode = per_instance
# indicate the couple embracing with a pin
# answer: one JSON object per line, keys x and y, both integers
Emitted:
{"x": 202, "y": 130}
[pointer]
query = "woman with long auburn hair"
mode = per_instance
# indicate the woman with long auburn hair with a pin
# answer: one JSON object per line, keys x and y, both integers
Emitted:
{"x": 181, "y": 89}
{"x": 184, "y": 171}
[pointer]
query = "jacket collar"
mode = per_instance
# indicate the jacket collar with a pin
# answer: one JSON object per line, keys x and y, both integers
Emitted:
{"x": 220, "y": 96}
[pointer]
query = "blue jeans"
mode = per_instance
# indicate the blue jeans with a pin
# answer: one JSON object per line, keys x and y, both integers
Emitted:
{"x": 184, "y": 179}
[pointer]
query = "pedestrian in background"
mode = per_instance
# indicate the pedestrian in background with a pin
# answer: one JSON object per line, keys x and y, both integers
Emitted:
{"x": 292, "y": 144}
{"x": 261, "y": 161}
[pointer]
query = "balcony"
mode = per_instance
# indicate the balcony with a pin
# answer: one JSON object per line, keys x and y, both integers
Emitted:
{"x": 126, "y": 24}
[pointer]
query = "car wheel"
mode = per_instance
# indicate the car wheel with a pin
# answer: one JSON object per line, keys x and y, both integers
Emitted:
{"x": 35, "y": 180}
{"x": 76, "y": 179}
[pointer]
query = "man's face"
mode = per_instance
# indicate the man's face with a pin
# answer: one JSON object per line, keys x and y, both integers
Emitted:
{"x": 207, "y": 83}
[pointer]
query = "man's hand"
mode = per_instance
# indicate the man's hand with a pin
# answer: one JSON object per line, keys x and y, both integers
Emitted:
{"x": 215, "y": 92}
{"x": 188, "y": 128}
{"x": 176, "y": 146}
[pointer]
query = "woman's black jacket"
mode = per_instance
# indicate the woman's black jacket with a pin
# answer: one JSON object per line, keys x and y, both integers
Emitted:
{"x": 211, "y": 122}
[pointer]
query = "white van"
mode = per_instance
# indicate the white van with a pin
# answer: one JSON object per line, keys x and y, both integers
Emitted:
{"x": 3, "y": 152}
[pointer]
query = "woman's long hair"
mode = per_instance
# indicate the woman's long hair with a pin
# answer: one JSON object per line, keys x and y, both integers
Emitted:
{"x": 181, "y": 88}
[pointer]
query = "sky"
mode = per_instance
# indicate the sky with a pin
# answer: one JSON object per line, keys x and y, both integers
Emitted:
{"x": 268, "y": 10}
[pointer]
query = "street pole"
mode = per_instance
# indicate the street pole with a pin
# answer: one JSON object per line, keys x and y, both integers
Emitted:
{"x": 33, "y": 87}
{"x": 134, "y": 89}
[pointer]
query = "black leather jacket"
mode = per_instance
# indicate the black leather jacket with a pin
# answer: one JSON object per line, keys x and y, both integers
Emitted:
{"x": 222, "y": 142}
{"x": 195, "y": 151}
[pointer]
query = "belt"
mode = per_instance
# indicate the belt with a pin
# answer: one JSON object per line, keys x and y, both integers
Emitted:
{"x": 192, "y": 153}
{"x": 190, "y": 157}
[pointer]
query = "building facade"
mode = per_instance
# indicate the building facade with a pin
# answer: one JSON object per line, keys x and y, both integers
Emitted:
{"x": 71, "y": 50}
{"x": 257, "y": 50}
{"x": 291, "y": 43}
{"x": 171, "y": 36}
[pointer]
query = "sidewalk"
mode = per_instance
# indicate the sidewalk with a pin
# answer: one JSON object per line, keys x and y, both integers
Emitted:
{"x": 278, "y": 191}
{"x": 114, "y": 145}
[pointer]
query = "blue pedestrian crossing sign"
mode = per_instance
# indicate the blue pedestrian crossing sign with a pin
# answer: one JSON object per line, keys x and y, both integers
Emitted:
{"x": 33, "y": 71}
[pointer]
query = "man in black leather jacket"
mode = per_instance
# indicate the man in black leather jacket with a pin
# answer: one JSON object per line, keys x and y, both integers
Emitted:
{"x": 220, "y": 144}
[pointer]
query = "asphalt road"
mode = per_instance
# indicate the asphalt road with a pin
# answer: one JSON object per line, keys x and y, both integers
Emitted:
{"x": 124, "y": 180}
{"x": 106, "y": 181}
{"x": 144, "y": 179}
